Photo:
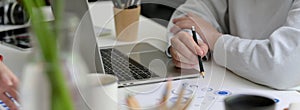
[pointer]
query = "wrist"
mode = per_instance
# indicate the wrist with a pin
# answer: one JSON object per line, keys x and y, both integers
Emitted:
{"x": 213, "y": 40}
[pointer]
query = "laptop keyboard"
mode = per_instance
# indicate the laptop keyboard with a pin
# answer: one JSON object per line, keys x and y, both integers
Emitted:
{"x": 123, "y": 67}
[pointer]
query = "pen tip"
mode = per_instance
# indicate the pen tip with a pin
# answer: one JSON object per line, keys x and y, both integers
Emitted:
{"x": 202, "y": 74}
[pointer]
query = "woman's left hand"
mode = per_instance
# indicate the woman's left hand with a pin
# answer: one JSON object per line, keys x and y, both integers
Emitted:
{"x": 207, "y": 32}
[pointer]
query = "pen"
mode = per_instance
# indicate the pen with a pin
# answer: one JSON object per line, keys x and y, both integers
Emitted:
{"x": 199, "y": 57}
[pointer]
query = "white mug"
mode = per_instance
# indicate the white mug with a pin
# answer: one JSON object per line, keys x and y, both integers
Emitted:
{"x": 104, "y": 91}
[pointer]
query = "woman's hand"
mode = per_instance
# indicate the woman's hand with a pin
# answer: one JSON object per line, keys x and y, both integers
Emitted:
{"x": 183, "y": 48}
{"x": 206, "y": 31}
{"x": 185, "y": 51}
{"x": 8, "y": 83}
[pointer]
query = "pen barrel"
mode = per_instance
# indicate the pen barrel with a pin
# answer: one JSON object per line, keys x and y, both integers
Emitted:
{"x": 200, "y": 64}
{"x": 195, "y": 36}
{"x": 199, "y": 57}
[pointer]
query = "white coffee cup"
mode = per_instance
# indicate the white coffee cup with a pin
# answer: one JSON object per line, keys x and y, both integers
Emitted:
{"x": 104, "y": 91}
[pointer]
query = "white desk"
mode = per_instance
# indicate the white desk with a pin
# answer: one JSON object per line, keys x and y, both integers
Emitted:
{"x": 217, "y": 77}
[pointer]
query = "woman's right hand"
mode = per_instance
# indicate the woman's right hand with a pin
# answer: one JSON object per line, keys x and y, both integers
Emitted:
{"x": 8, "y": 83}
{"x": 185, "y": 51}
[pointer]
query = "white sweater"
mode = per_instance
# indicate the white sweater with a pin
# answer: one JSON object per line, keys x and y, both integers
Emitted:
{"x": 261, "y": 40}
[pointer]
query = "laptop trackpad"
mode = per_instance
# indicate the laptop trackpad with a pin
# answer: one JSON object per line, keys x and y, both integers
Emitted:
{"x": 156, "y": 60}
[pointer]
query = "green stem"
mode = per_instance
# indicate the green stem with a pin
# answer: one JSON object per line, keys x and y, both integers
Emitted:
{"x": 59, "y": 6}
{"x": 60, "y": 99}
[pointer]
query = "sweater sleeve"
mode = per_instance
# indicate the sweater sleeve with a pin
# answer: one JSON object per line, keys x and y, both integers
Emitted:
{"x": 272, "y": 62}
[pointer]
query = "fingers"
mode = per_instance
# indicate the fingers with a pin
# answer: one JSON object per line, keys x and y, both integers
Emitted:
{"x": 8, "y": 83}
{"x": 185, "y": 24}
{"x": 13, "y": 93}
{"x": 191, "y": 44}
{"x": 203, "y": 47}
{"x": 8, "y": 102}
{"x": 175, "y": 29}
{"x": 7, "y": 78}
{"x": 183, "y": 65}
{"x": 180, "y": 19}
{"x": 182, "y": 48}
{"x": 177, "y": 56}
{"x": 180, "y": 61}
{"x": 15, "y": 81}
{"x": 184, "y": 43}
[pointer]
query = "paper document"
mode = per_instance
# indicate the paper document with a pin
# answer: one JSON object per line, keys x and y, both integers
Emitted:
{"x": 210, "y": 92}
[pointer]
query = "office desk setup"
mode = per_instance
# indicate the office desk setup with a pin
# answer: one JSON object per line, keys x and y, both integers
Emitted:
{"x": 208, "y": 92}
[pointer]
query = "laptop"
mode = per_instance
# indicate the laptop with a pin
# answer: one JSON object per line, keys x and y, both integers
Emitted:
{"x": 133, "y": 64}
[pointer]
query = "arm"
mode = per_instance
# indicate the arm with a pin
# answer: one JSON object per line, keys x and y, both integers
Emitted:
{"x": 273, "y": 62}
